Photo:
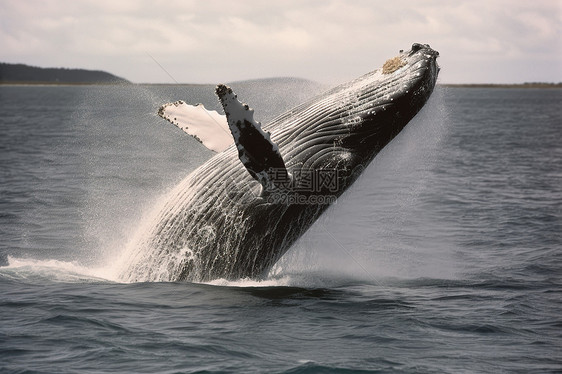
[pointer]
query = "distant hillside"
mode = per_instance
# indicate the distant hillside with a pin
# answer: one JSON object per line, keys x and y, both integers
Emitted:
{"x": 24, "y": 74}
{"x": 274, "y": 80}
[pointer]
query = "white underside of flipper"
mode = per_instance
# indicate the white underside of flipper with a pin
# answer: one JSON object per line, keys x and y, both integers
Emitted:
{"x": 207, "y": 126}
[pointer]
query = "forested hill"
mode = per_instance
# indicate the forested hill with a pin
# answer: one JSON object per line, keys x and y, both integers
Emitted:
{"x": 25, "y": 74}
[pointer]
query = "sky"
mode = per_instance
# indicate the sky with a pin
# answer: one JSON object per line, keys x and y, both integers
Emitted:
{"x": 328, "y": 41}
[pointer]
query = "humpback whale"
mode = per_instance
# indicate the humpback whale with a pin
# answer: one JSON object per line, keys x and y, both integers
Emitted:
{"x": 238, "y": 213}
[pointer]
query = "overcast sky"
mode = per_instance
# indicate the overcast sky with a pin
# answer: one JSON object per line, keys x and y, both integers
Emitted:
{"x": 210, "y": 41}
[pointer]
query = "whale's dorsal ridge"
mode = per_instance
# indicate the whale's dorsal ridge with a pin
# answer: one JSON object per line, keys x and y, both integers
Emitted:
{"x": 259, "y": 154}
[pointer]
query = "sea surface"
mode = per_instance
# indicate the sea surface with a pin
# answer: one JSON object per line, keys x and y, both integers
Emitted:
{"x": 444, "y": 257}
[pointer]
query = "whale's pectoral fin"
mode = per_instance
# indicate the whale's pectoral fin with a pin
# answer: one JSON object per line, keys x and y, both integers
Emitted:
{"x": 207, "y": 126}
{"x": 259, "y": 154}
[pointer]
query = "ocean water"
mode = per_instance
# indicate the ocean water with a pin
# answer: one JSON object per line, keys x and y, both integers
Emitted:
{"x": 444, "y": 257}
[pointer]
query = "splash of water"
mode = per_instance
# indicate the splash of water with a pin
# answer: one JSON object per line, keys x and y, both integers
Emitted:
{"x": 53, "y": 270}
{"x": 407, "y": 160}
{"x": 385, "y": 232}
{"x": 316, "y": 252}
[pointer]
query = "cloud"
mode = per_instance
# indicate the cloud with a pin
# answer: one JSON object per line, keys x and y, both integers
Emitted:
{"x": 329, "y": 41}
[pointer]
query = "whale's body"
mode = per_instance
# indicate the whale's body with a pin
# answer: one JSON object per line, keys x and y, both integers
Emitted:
{"x": 220, "y": 222}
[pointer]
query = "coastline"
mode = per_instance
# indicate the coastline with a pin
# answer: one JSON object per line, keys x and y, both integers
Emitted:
{"x": 40, "y": 83}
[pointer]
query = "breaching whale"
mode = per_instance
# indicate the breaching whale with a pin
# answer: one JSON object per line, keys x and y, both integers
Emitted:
{"x": 237, "y": 214}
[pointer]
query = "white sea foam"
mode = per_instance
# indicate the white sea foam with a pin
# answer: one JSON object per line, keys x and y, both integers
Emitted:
{"x": 53, "y": 270}
{"x": 284, "y": 281}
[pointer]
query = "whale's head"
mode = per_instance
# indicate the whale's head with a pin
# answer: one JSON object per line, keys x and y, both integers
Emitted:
{"x": 343, "y": 129}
